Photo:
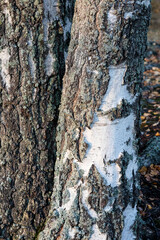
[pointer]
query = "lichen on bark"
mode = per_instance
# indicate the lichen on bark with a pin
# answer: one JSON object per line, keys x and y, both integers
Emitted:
{"x": 31, "y": 71}
{"x": 91, "y": 181}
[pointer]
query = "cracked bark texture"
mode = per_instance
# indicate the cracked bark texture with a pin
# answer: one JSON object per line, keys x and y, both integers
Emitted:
{"x": 34, "y": 36}
{"x": 95, "y": 184}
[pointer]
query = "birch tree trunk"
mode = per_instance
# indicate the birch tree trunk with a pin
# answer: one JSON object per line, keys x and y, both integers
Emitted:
{"x": 95, "y": 183}
{"x": 34, "y": 36}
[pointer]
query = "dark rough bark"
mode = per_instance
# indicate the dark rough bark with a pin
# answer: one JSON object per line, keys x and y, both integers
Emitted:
{"x": 151, "y": 154}
{"x": 107, "y": 43}
{"x": 150, "y": 158}
{"x": 32, "y": 47}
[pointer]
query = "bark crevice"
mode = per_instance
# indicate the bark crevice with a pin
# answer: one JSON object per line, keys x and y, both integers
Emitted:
{"x": 29, "y": 112}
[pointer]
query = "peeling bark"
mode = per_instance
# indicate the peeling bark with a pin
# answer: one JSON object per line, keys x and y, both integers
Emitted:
{"x": 32, "y": 48}
{"x": 95, "y": 183}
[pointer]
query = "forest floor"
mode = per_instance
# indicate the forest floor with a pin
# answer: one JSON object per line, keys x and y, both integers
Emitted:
{"x": 149, "y": 198}
{"x": 150, "y": 118}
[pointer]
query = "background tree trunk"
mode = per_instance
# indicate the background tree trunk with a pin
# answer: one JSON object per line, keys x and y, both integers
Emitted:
{"x": 33, "y": 45}
{"x": 95, "y": 184}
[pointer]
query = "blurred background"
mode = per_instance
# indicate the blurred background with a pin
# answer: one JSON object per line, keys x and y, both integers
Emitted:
{"x": 149, "y": 198}
{"x": 154, "y": 29}
{"x": 150, "y": 118}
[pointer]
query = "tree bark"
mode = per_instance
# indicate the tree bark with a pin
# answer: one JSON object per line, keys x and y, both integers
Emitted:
{"x": 33, "y": 46}
{"x": 95, "y": 184}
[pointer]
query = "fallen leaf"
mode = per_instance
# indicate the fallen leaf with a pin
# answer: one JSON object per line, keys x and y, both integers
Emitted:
{"x": 154, "y": 172}
{"x": 147, "y": 135}
{"x": 155, "y": 124}
{"x": 157, "y": 134}
{"x": 156, "y": 113}
{"x": 149, "y": 206}
{"x": 142, "y": 117}
{"x": 147, "y": 114}
{"x": 157, "y": 167}
{"x": 143, "y": 170}
{"x": 148, "y": 178}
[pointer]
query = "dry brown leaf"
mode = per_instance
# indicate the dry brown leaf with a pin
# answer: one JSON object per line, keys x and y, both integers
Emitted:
{"x": 154, "y": 172}
{"x": 156, "y": 113}
{"x": 147, "y": 177}
{"x": 155, "y": 124}
{"x": 149, "y": 206}
{"x": 157, "y": 167}
{"x": 148, "y": 130}
{"x": 147, "y": 135}
{"x": 142, "y": 117}
{"x": 155, "y": 183}
{"x": 143, "y": 170}
{"x": 157, "y": 134}
{"x": 147, "y": 114}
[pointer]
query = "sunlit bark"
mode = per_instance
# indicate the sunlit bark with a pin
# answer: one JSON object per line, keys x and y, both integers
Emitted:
{"x": 95, "y": 184}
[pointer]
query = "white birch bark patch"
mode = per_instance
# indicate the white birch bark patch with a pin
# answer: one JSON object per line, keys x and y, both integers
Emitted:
{"x": 146, "y": 3}
{"x": 112, "y": 17}
{"x": 107, "y": 140}
{"x": 97, "y": 234}
{"x": 129, "y": 218}
{"x": 49, "y": 61}
{"x": 7, "y": 12}
{"x": 31, "y": 63}
{"x": 4, "y": 67}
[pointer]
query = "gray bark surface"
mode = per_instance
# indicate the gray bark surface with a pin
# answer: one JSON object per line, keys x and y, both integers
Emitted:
{"x": 32, "y": 47}
{"x": 34, "y": 39}
{"x": 97, "y": 42}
